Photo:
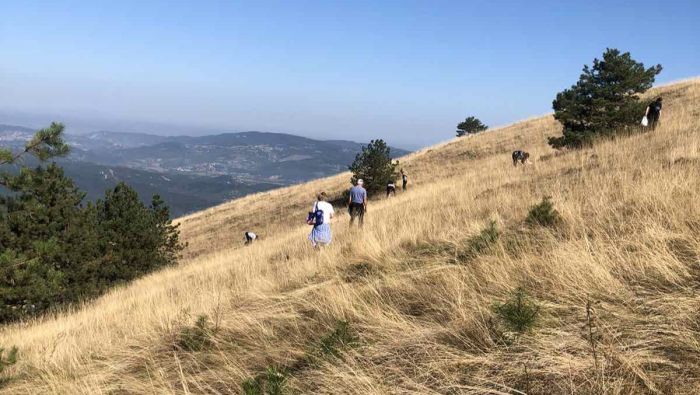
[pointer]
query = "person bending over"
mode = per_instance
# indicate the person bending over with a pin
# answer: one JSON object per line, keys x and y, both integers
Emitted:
{"x": 390, "y": 188}
{"x": 250, "y": 237}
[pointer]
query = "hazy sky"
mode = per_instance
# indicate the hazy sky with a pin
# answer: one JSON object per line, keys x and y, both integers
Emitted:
{"x": 406, "y": 71}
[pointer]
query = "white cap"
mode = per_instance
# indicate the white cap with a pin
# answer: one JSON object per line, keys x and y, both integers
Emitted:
{"x": 360, "y": 182}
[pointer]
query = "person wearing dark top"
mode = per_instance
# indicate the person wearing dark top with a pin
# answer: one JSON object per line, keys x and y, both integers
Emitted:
{"x": 653, "y": 113}
{"x": 404, "y": 180}
{"x": 390, "y": 188}
{"x": 357, "y": 203}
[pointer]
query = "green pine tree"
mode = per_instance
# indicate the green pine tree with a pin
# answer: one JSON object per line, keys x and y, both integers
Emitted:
{"x": 49, "y": 240}
{"x": 374, "y": 166}
{"x": 471, "y": 125}
{"x": 604, "y": 101}
{"x": 46, "y": 144}
{"x": 135, "y": 239}
{"x": 33, "y": 217}
{"x": 55, "y": 249}
{"x": 168, "y": 234}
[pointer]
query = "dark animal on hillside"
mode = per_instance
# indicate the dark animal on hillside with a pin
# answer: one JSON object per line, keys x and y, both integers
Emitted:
{"x": 520, "y": 156}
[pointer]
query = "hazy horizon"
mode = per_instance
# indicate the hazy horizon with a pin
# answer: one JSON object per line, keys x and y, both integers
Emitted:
{"x": 83, "y": 126}
{"x": 406, "y": 72}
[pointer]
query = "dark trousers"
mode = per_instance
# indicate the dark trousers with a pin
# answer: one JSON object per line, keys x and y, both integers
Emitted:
{"x": 390, "y": 190}
{"x": 653, "y": 119}
{"x": 357, "y": 210}
{"x": 404, "y": 185}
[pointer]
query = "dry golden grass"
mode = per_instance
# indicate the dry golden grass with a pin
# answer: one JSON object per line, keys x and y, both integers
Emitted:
{"x": 421, "y": 308}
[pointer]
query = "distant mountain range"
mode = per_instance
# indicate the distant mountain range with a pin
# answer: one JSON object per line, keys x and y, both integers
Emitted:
{"x": 192, "y": 173}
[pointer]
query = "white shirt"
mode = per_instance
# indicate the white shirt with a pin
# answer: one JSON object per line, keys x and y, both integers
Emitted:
{"x": 327, "y": 209}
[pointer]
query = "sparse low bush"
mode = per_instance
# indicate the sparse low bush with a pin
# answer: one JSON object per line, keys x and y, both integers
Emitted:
{"x": 470, "y": 154}
{"x": 519, "y": 313}
{"x": 5, "y": 361}
{"x": 429, "y": 248}
{"x": 359, "y": 271}
{"x": 341, "y": 337}
{"x": 272, "y": 382}
{"x": 9, "y": 359}
{"x": 276, "y": 381}
{"x": 480, "y": 243}
{"x": 198, "y": 336}
{"x": 253, "y": 386}
{"x": 543, "y": 214}
{"x": 486, "y": 238}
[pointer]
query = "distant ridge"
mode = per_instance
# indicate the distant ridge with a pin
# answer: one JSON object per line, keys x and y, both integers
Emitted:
{"x": 195, "y": 172}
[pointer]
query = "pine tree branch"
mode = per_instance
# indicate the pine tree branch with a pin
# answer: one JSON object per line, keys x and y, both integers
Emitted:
{"x": 22, "y": 153}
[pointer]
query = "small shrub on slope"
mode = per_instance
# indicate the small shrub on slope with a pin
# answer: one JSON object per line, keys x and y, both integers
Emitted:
{"x": 6, "y": 361}
{"x": 485, "y": 239}
{"x": 272, "y": 382}
{"x": 276, "y": 381}
{"x": 543, "y": 214}
{"x": 519, "y": 313}
{"x": 253, "y": 386}
{"x": 341, "y": 337}
{"x": 198, "y": 336}
{"x": 480, "y": 243}
{"x": 359, "y": 271}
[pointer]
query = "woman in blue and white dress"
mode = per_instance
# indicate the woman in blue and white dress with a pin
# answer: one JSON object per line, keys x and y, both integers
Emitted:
{"x": 321, "y": 233}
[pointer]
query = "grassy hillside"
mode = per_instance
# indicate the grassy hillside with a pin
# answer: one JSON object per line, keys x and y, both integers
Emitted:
{"x": 417, "y": 288}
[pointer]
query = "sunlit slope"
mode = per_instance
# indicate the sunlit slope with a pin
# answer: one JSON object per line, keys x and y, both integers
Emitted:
{"x": 419, "y": 301}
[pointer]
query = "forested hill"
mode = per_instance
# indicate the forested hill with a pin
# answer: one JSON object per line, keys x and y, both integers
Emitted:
{"x": 193, "y": 173}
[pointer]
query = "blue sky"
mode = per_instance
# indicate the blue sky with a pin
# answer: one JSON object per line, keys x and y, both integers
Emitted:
{"x": 406, "y": 71}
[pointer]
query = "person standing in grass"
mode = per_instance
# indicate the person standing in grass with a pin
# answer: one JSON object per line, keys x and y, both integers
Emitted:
{"x": 404, "y": 180}
{"x": 357, "y": 203}
{"x": 320, "y": 218}
{"x": 653, "y": 112}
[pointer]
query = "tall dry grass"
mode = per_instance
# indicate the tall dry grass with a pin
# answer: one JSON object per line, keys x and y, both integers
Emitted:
{"x": 419, "y": 301}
